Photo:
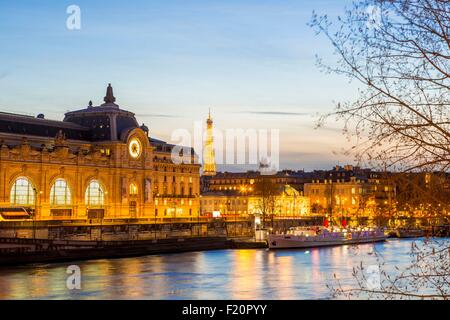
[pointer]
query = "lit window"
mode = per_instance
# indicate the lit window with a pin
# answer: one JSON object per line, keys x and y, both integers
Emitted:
{"x": 60, "y": 193}
{"x": 133, "y": 189}
{"x": 22, "y": 192}
{"x": 95, "y": 196}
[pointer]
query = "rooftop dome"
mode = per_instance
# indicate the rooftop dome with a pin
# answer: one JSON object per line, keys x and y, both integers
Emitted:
{"x": 106, "y": 121}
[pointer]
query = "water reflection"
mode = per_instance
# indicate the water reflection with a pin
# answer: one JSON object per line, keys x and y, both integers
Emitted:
{"x": 223, "y": 274}
{"x": 285, "y": 277}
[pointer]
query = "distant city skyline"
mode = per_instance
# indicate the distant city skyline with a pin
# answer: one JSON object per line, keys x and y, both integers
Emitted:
{"x": 251, "y": 62}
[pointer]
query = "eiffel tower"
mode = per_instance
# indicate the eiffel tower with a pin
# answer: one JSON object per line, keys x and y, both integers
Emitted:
{"x": 209, "y": 159}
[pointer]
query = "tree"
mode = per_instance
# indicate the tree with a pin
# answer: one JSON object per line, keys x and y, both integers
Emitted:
{"x": 266, "y": 191}
{"x": 426, "y": 277}
{"x": 399, "y": 50}
{"x": 317, "y": 208}
{"x": 330, "y": 198}
{"x": 425, "y": 195}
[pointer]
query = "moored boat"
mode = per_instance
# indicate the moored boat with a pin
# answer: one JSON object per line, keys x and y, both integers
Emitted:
{"x": 321, "y": 236}
{"x": 410, "y": 233}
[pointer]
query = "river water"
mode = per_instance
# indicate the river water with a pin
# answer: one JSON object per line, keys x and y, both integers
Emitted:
{"x": 221, "y": 274}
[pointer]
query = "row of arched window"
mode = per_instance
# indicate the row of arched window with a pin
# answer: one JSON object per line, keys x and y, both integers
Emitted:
{"x": 24, "y": 194}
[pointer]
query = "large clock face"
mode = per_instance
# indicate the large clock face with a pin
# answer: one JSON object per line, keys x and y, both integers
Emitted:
{"x": 135, "y": 148}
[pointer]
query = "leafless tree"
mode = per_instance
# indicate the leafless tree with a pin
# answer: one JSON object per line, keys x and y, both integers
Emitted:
{"x": 399, "y": 51}
{"x": 317, "y": 208}
{"x": 266, "y": 190}
{"x": 426, "y": 277}
{"x": 424, "y": 194}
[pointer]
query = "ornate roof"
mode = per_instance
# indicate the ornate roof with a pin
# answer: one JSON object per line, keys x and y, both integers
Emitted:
{"x": 18, "y": 124}
{"x": 105, "y": 122}
{"x": 93, "y": 123}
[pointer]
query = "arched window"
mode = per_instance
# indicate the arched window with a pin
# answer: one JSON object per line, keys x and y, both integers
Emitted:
{"x": 133, "y": 189}
{"x": 95, "y": 196}
{"x": 22, "y": 193}
{"x": 60, "y": 193}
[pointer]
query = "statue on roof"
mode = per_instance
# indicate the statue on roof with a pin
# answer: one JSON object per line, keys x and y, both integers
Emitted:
{"x": 109, "y": 98}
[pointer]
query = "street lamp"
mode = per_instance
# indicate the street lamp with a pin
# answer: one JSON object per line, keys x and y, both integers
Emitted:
{"x": 154, "y": 226}
{"x": 34, "y": 213}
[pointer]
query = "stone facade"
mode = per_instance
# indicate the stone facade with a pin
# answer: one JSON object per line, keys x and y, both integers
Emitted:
{"x": 352, "y": 197}
{"x": 96, "y": 163}
{"x": 288, "y": 203}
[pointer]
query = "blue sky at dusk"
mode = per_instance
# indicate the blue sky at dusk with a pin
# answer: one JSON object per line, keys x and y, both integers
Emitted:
{"x": 251, "y": 62}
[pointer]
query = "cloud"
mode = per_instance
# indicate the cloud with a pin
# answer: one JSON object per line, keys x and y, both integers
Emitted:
{"x": 4, "y": 74}
{"x": 157, "y": 115}
{"x": 276, "y": 113}
{"x": 331, "y": 129}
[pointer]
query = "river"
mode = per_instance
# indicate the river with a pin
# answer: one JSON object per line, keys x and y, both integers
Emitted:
{"x": 221, "y": 274}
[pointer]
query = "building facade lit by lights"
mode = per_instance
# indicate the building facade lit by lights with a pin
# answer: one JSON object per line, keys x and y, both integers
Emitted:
{"x": 209, "y": 158}
{"x": 244, "y": 202}
{"x": 98, "y": 163}
{"x": 347, "y": 192}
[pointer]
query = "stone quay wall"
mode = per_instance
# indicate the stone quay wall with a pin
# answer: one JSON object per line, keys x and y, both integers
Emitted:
{"x": 128, "y": 231}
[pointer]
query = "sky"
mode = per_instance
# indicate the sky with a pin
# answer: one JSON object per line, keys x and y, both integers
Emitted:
{"x": 251, "y": 61}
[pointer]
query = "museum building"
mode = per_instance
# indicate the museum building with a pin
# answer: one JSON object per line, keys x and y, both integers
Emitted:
{"x": 97, "y": 163}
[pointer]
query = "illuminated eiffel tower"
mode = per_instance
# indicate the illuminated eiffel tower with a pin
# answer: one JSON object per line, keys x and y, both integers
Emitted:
{"x": 209, "y": 159}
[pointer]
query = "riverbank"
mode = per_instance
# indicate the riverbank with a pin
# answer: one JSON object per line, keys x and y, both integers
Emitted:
{"x": 73, "y": 243}
{"x": 26, "y": 251}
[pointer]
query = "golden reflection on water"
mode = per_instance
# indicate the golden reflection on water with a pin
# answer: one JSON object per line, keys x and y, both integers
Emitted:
{"x": 285, "y": 275}
{"x": 5, "y": 285}
{"x": 246, "y": 265}
{"x": 99, "y": 276}
{"x": 37, "y": 285}
{"x": 133, "y": 285}
{"x": 316, "y": 272}
{"x": 114, "y": 278}
{"x": 34, "y": 285}
{"x": 159, "y": 286}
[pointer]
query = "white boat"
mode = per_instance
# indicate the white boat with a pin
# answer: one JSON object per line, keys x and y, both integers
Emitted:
{"x": 321, "y": 236}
